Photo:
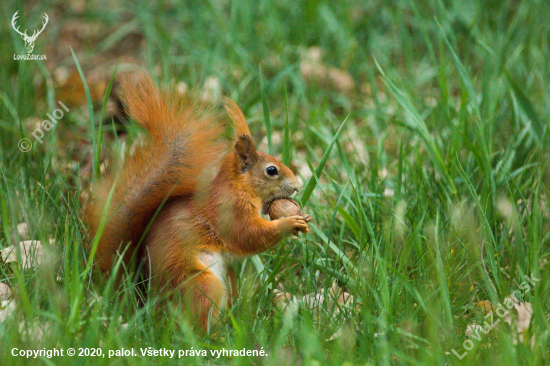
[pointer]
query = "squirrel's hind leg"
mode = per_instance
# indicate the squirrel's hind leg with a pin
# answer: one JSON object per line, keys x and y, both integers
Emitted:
{"x": 203, "y": 295}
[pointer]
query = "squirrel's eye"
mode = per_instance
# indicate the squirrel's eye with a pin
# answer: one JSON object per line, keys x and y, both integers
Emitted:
{"x": 271, "y": 170}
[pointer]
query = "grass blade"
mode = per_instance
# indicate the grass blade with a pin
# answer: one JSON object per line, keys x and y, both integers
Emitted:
{"x": 286, "y": 139}
{"x": 420, "y": 127}
{"x": 319, "y": 170}
{"x": 531, "y": 118}
{"x": 265, "y": 107}
{"x": 97, "y": 145}
{"x": 90, "y": 108}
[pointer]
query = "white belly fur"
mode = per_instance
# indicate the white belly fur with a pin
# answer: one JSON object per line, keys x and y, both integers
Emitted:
{"x": 216, "y": 264}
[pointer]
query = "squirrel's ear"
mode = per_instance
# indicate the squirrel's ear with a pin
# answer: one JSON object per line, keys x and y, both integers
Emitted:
{"x": 245, "y": 152}
{"x": 237, "y": 117}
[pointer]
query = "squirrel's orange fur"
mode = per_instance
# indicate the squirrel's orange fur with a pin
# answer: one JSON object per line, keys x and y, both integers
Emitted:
{"x": 213, "y": 188}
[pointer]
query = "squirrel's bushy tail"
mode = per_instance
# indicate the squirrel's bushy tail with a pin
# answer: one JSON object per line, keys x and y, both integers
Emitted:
{"x": 185, "y": 138}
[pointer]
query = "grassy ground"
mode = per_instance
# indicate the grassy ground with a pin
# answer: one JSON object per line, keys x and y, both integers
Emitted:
{"x": 433, "y": 202}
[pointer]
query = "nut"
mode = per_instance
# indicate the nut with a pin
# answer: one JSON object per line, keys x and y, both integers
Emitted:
{"x": 284, "y": 207}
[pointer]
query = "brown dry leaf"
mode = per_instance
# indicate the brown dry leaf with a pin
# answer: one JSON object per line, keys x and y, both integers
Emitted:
{"x": 334, "y": 298}
{"x": 523, "y": 319}
{"x": 23, "y": 230}
{"x": 313, "y": 70}
{"x": 311, "y": 66}
{"x": 281, "y": 297}
{"x": 335, "y": 295}
{"x": 472, "y": 329}
{"x": 33, "y": 331}
{"x": 343, "y": 297}
{"x": 341, "y": 80}
{"x": 71, "y": 90}
{"x": 332, "y": 301}
{"x": 32, "y": 254}
{"x": 347, "y": 333}
{"x": 181, "y": 88}
{"x": 525, "y": 311}
{"x": 505, "y": 207}
{"x": 122, "y": 325}
{"x": 212, "y": 89}
{"x": 6, "y": 308}
{"x": 284, "y": 300}
{"x": 484, "y": 306}
{"x": 314, "y": 301}
{"x": 5, "y": 291}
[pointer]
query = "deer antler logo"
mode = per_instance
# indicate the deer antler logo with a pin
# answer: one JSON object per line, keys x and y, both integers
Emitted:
{"x": 29, "y": 40}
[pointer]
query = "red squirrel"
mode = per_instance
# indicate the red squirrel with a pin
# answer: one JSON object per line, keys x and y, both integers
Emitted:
{"x": 206, "y": 192}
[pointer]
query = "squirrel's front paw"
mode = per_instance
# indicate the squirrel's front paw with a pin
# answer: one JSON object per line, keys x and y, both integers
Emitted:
{"x": 295, "y": 224}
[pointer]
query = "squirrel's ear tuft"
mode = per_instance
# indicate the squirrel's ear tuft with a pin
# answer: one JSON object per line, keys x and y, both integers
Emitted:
{"x": 237, "y": 117}
{"x": 245, "y": 152}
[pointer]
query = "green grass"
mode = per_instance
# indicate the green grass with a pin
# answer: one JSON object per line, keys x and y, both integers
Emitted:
{"x": 433, "y": 195}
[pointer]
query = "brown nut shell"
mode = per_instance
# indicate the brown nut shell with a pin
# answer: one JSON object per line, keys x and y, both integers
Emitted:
{"x": 284, "y": 207}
